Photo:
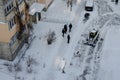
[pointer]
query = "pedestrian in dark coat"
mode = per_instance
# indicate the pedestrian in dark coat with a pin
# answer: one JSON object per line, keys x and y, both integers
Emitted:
{"x": 63, "y": 31}
{"x": 68, "y": 38}
{"x": 65, "y": 28}
{"x": 70, "y": 27}
{"x": 116, "y": 1}
{"x": 68, "y": 3}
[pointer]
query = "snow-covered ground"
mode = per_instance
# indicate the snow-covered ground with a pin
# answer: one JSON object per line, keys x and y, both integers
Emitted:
{"x": 109, "y": 65}
{"x": 76, "y": 60}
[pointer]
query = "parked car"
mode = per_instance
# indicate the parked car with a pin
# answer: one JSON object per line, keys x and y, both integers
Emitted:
{"x": 89, "y": 5}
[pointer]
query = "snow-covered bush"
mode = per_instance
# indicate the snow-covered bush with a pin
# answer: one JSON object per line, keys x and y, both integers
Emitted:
{"x": 17, "y": 67}
{"x": 10, "y": 67}
{"x": 29, "y": 69}
{"x": 51, "y": 37}
{"x": 30, "y": 61}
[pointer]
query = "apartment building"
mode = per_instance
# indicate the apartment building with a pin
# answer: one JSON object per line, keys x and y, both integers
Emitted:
{"x": 14, "y": 15}
{"x": 11, "y": 36}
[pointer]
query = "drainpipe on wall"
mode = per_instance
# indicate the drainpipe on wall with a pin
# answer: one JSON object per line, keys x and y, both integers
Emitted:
{"x": 11, "y": 54}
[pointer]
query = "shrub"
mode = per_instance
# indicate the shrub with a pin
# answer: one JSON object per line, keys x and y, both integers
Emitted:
{"x": 10, "y": 68}
{"x": 17, "y": 67}
{"x": 51, "y": 37}
{"x": 30, "y": 61}
{"x": 29, "y": 69}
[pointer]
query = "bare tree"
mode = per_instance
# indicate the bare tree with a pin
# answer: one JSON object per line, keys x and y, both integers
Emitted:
{"x": 18, "y": 20}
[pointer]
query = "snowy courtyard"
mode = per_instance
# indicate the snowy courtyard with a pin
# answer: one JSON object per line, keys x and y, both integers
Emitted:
{"x": 75, "y": 60}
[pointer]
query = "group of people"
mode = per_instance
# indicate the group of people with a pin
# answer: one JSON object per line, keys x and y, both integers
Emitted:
{"x": 64, "y": 31}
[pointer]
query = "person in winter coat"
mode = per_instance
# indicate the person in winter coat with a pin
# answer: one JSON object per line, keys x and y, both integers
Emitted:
{"x": 116, "y": 1}
{"x": 68, "y": 3}
{"x": 65, "y": 28}
{"x": 70, "y": 27}
{"x": 68, "y": 38}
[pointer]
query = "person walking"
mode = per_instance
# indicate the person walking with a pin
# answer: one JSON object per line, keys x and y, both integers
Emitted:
{"x": 70, "y": 5}
{"x": 68, "y": 38}
{"x": 63, "y": 31}
{"x": 116, "y": 2}
{"x": 70, "y": 27}
{"x": 65, "y": 28}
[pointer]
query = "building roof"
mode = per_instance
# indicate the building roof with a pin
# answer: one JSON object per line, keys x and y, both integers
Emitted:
{"x": 36, "y": 7}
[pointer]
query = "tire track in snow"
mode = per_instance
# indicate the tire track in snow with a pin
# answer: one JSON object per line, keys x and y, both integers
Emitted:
{"x": 98, "y": 53}
{"x": 87, "y": 73}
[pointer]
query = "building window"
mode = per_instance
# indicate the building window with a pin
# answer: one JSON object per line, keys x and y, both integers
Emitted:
{"x": 8, "y": 7}
{"x": 11, "y": 23}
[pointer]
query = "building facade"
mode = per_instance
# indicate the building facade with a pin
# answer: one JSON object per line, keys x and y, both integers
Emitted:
{"x": 12, "y": 15}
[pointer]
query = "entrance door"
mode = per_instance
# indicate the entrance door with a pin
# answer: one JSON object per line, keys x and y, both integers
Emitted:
{"x": 39, "y": 16}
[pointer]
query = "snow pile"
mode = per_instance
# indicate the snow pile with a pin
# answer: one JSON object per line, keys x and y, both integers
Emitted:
{"x": 115, "y": 20}
{"x": 109, "y": 67}
{"x": 103, "y": 7}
